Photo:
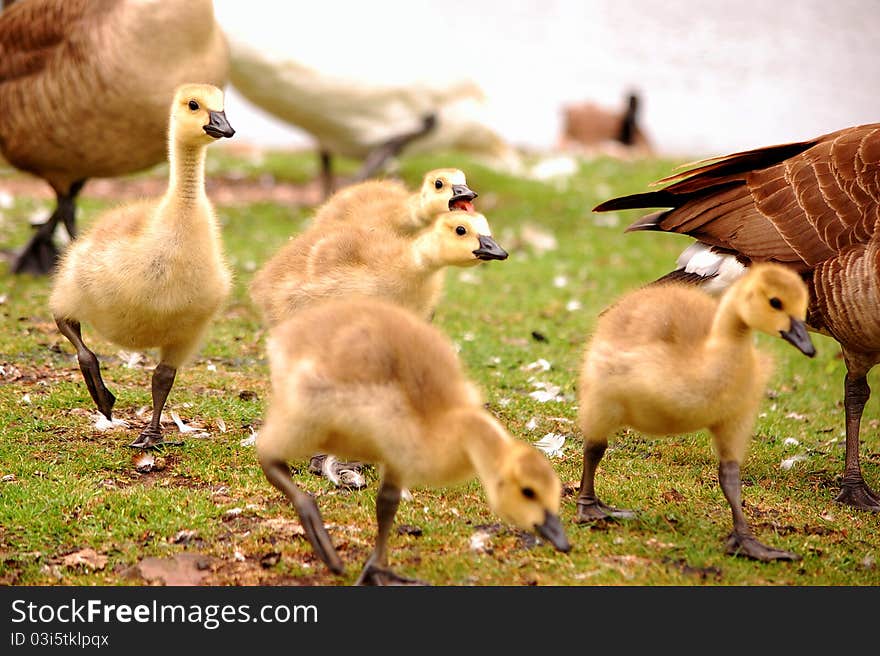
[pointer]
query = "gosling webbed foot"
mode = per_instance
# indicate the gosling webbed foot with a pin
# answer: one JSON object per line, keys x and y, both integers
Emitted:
{"x": 748, "y": 546}
{"x": 375, "y": 575}
{"x": 591, "y": 511}
{"x": 856, "y": 493}
{"x": 150, "y": 438}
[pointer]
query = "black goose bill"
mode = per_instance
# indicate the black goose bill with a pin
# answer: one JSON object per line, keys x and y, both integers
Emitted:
{"x": 799, "y": 336}
{"x": 462, "y": 198}
{"x": 489, "y": 249}
{"x": 218, "y": 126}
{"x": 552, "y": 530}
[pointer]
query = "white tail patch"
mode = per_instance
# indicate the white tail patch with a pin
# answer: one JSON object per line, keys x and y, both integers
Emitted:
{"x": 721, "y": 269}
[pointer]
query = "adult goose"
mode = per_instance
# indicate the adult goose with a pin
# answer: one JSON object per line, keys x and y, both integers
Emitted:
{"x": 85, "y": 87}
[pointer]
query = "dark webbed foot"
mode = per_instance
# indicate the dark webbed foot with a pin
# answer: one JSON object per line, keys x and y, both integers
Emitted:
{"x": 591, "y": 511}
{"x": 373, "y": 575}
{"x": 856, "y": 493}
{"x": 38, "y": 257}
{"x": 747, "y": 545}
{"x": 152, "y": 439}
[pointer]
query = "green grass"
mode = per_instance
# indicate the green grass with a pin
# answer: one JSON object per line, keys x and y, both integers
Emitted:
{"x": 76, "y": 487}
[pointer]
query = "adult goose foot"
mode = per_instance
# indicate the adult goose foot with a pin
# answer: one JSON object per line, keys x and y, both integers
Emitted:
{"x": 856, "y": 493}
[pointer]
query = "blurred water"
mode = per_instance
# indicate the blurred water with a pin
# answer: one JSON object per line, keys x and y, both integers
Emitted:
{"x": 715, "y": 76}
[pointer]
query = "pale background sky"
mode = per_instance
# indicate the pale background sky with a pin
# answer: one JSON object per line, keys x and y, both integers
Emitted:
{"x": 715, "y": 76}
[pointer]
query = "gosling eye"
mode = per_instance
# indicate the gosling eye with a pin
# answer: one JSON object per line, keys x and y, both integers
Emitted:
{"x": 193, "y": 105}
{"x": 775, "y": 303}
{"x": 528, "y": 493}
{"x": 438, "y": 184}
{"x": 460, "y": 230}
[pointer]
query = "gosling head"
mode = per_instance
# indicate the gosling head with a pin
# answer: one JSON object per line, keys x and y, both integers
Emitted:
{"x": 775, "y": 302}
{"x": 463, "y": 239}
{"x": 526, "y": 493}
{"x": 197, "y": 114}
{"x": 444, "y": 190}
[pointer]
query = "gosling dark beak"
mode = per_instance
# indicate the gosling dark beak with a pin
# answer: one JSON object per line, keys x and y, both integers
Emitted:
{"x": 461, "y": 198}
{"x": 552, "y": 530}
{"x": 218, "y": 126}
{"x": 489, "y": 250}
{"x": 799, "y": 336}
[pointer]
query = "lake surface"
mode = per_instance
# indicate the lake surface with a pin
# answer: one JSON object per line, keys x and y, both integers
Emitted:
{"x": 714, "y": 76}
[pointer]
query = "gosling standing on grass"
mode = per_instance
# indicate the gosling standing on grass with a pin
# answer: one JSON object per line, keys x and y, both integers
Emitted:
{"x": 152, "y": 273}
{"x": 671, "y": 359}
{"x": 368, "y": 380}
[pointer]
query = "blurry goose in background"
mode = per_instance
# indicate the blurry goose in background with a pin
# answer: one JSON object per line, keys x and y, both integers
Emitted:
{"x": 152, "y": 273}
{"x": 365, "y": 379}
{"x": 366, "y": 120}
{"x": 371, "y": 260}
{"x": 671, "y": 359}
{"x": 85, "y": 87}
{"x": 587, "y": 126}
{"x": 389, "y": 204}
{"x": 812, "y": 206}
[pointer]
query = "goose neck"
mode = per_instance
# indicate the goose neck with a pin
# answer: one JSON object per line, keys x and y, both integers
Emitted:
{"x": 187, "y": 172}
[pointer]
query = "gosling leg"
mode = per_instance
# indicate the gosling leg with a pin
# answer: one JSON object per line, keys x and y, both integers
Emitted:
{"x": 853, "y": 489}
{"x": 89, "y": 365}
{"x": 40, "y": 254}
{"x": 589, "y": 507}
{"x": 741, "y": 542}
{"x": 376, "y": 570}
{"x": 151, "y": 436}
{"x": 278, "y": 475}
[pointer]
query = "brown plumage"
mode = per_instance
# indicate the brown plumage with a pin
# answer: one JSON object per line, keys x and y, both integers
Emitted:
{"x": 813, "y": 206}
{"x": 85, "y": 87}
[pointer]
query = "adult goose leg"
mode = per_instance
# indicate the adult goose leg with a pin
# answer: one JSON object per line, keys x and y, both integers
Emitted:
{"x": 853, "y": 489}
{"x": 39, "y": 255}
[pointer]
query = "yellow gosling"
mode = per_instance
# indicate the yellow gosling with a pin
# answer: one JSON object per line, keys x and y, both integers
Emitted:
{"x": 365, "y": 379}
{"x": 371, "y": 261}
{"x": 671, "y": 359}
{"x": 152, "y": 273}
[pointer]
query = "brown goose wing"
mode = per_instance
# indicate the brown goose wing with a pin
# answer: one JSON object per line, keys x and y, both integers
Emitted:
{"x": 798, "y": 203}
